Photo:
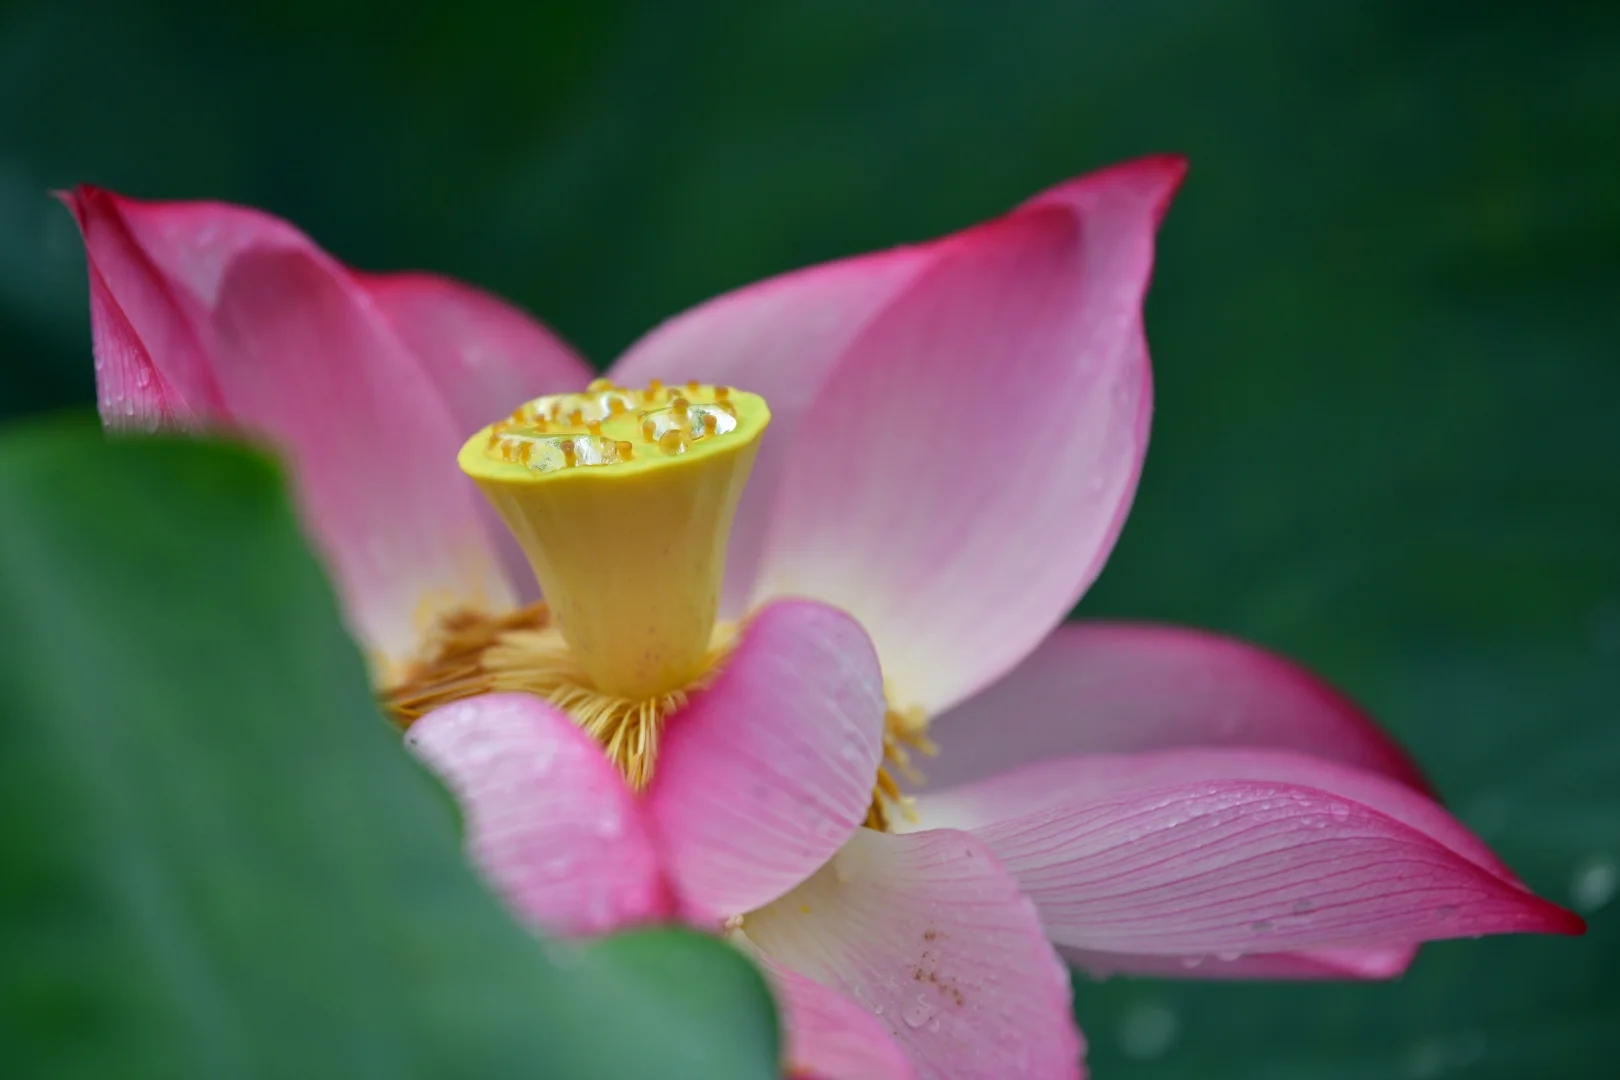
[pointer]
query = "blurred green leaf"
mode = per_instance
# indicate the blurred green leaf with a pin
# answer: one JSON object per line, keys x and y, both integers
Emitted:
{"x": 217, "y": 860}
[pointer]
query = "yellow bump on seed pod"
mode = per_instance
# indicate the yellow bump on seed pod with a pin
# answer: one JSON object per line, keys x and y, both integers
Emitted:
{"x": 629, "y": 548}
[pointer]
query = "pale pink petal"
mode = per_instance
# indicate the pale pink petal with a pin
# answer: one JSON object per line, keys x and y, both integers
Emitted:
{"x": 826, "y": 1036}
{"x": 549, "y": 820}
{"x": 928, "y": 932}
{"x": 1345, "y": 963}
{"x": 769, "y": 771}
{"x": 1101, "y": 687}
{"x": 485, "y": 358}
{"x": 151, "y": 370}
{"x": 980, "y": 440}
{"x": 483, "y": 355}
{"x": 778, "y": 338}
{"x": 1228, "y": 852}
{"x": 305, "y": 360}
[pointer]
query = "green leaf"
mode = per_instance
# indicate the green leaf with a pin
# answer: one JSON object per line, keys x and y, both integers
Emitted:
{"x": 217, "y": 860}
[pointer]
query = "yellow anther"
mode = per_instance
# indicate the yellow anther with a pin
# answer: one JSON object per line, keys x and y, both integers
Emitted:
{"x": 597, "y": 386}
{"x": 693, "y": 387}
{"x": 629, "y": 548}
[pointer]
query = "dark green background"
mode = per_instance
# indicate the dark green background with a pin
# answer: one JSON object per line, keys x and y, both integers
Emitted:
{"x": 1384, "y": 328}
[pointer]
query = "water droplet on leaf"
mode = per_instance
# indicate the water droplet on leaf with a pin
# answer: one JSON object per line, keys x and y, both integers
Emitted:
{"x": 1594, "y": 884}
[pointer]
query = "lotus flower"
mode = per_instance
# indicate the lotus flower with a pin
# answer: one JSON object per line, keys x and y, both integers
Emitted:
{"x": 858, "y": 739}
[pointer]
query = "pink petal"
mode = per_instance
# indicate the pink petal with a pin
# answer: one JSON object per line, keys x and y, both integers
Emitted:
{"x": 550, "y": 821}
{"x": 768, "y": 772}
{"x": 829, "y": 1037}
{"x": 245, "y": 322}
{"x": 484, "y": 356}
{"x": 928, "y": 932}
{"x": 1109, "y": 687}
{"x": 131, "y": 393}
{"x": 1346, "y": 963}
{"x": 1199, "y": 852}
{"x": 305, "y": 360}
{"x": 979, "y": 442}
{"x": 778, "y": 338}
{"x": 151, "y": 370}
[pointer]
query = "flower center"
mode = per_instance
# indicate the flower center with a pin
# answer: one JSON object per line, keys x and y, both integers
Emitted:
{"x": 623, "y": 502}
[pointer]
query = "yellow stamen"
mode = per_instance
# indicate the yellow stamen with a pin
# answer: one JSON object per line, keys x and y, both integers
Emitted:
{"x": 629, "y": 548}
{"x": 904, "y": 731}
{"x": 523, "y": 652}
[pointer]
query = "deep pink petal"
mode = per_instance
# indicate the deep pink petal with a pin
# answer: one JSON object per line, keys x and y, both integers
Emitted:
{"x": 1229, "y": 852}
{"x": 928, "y": 932}
{"x": 778, "y": 338}
{"x": 768, "y": 772}
{"x": 826, "y": 1036}
{"x": 1100, "y": 687}
{"x": 976, "y": 448}
{"x": 1346, "y": 963}
{"x": 131, "y": 393}
{"x": 246, "y": 323}
{"x": 151, "y": 369}
{"x": 484, "y": 357}
{"x": 305, "y": 360}
{"x": 193, "y": 244}
{"x": 550, "y": 821}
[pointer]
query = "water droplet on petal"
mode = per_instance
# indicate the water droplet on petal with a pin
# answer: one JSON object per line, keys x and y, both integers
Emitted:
{"x": 918, "y": 1011}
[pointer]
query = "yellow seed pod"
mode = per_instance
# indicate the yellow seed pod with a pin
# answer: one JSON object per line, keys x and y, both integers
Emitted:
{"x": 625, "y": 519}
